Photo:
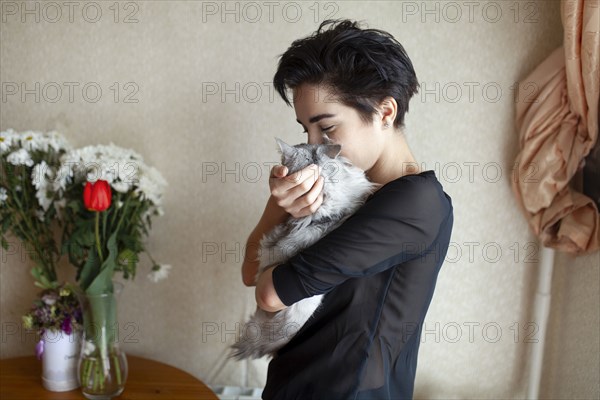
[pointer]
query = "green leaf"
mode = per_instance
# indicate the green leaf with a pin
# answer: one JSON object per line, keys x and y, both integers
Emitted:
{"x": 130, "y": 242}
{"x": 36, "y": 283}
{"x": 75, "y": 205}
{"x": 127, "y": 262}
{"x": 103, "y": 282}
{"x": 127, "y": 258}
{"x": 86, "y": 238}
{"x": 6, "y": 222}
{"x": 90, "y": 270}
{"x": 40, "y": 278}
{"x": 35, "y": 273}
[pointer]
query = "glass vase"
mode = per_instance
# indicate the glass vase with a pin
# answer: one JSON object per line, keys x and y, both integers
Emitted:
{"x": 102, "y": 366}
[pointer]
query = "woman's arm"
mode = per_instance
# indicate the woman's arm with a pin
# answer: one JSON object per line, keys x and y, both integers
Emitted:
{"x": 266, "y": 296}
{"x": 401, "y": 222}
{"x": 272, "y": 216}
{"x": 297, "y": 194}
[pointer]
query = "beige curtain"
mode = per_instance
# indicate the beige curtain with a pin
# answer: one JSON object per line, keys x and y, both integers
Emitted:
{"x": 557, "y": 122}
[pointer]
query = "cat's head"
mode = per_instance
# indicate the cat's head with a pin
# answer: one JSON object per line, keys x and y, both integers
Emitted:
{"x": 345, "y": 186}
{"x": 302, "y": 155}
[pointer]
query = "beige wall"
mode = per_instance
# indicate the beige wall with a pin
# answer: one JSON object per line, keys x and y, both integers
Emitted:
{"x": 177, "y": 52}
{"x": 573, "y": 349}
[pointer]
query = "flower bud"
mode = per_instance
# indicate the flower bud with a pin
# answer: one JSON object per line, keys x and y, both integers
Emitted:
{"x": 27, "y": 321}
{"x": 97, "y": 195}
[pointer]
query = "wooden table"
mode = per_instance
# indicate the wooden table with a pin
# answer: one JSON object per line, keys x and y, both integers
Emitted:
{"x": 21, "y": 379}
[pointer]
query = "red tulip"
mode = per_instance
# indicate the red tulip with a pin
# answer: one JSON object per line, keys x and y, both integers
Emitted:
{"x": 97, "y": 196}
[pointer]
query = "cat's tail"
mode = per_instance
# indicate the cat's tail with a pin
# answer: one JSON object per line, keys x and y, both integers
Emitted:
{"x": 245, "y": 345}
{"x": 240, "y": 352}
{"x": 243, "y": 350}
{"x": 263, "y": 335}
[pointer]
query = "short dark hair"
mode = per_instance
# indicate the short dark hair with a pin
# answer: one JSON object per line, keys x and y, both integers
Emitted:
{"x": 360, "y": 67}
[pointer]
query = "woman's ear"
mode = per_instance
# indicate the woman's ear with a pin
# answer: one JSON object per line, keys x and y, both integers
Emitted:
{"x": 387, "y": 111}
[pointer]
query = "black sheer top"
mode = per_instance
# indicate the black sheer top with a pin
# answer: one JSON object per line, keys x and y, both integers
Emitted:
{"x": 377, "y": 272}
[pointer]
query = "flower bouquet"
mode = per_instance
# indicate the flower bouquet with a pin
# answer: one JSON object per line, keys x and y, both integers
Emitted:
{"x": 111, "y": 196}
{"x": 58, "y": 319}
{"x": 57, "y": 310}
{"x": 28, "y": 206}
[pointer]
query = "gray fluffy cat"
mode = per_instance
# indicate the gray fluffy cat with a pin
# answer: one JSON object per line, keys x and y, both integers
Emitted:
{"x": 345, "y": 189}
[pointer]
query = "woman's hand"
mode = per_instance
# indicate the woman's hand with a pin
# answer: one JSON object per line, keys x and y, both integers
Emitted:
{"x": 299, "y": 194}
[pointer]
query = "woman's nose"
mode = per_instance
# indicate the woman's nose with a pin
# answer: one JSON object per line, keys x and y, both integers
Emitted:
{"x": 315, "y": 138}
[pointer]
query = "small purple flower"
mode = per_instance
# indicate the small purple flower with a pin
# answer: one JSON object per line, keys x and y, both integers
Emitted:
{"x": 50, "y": 298}
{"x": 39, "y": 349}
{"x": 43, "y": 315}
{"x": 78, "y": 315}
{"x": 66, "y": 325}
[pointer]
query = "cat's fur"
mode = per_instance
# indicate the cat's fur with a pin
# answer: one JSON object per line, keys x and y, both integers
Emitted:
{"x": 345, "y": 189}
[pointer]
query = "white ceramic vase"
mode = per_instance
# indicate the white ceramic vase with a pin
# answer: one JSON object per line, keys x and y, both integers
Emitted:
{"x": 59, "y": 360}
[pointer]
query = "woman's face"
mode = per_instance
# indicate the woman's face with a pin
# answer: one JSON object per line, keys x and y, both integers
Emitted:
{"x": 320, "y": 114}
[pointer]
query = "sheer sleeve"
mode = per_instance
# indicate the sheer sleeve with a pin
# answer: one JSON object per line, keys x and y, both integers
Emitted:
{"x": 398, "y": 223}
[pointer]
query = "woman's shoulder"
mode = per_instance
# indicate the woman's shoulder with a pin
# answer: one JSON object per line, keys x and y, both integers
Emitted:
{"x": 423, "y": 176}
{"x": 412, "y": 195}
{"x": 411, "y": 184}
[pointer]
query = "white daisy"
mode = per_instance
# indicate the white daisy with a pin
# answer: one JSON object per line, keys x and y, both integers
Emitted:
{"x": 35, "y": 140}
{"x": 20, "y": 157}
{"x": 57, "y": 141}
{"x": 7, "y": 140}
{"x": 64, "y": 176}
{"x": 159, "y": 273}
{"x": 39, "y": 176}
{"x": 121, "y": 187}
{"x": 31, "y": 141}
{"x": 43, "y": 199}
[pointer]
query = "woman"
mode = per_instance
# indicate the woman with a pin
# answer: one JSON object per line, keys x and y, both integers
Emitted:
{"x": 379, "y": 268}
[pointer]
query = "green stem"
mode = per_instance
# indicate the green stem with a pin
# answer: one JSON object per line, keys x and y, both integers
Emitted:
{"x": 22, "y": 172}
{"x": 101, "y": 379}
{"x": 49, "y": 269}
{"x": 113, "y": 217}
{"x": 89, "y": 377}
{"x": 87, "y": 369}
{"x": 132, "y": 223}
{"x": 124, "y": 213}
{"x": 14, "y": 195}
{"x": 150, "y": 256}
{"x": 88, "y": 374}
{"x": 82, "y": 372}
{"x": 98, "y": 238}
{"x": 117, "y": 369}
{"x": 104, "y": 217}
{"x": 96, "y": 376}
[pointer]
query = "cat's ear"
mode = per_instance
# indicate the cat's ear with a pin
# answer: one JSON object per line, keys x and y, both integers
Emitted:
{"x": 330, "y": 150}
{"x": 284, "y": 148}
